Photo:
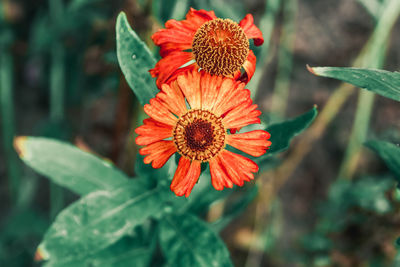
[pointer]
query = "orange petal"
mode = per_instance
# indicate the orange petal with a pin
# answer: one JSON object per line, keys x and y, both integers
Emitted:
{"x": 196, "y": 18}
{"x": 249, "y": 66}
{"x": 158, "y": 111}
{"x": 233, "y": 100}
{"x": 210, "y": 86}
{"x": 178, "y": 35}
{"x": 170, "y": 66}
{"x": 185, "y": 177}
{"x": 152, "y": 131}
{"x": 225, "y": 91}
{"x": 190, "y": 86}
{"x": 251, "y": 30}
{"x": 158, "y": 153}
{"x": 173, "y": 98}
{"x": 254, "y": 143}
{"x": 219, "y": 177}
{"x": 242, "y": 115}
{"x": 237, "y": 167}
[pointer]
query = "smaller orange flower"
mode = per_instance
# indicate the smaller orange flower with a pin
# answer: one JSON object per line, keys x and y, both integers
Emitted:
{"x": 203, "y": 41}
{"x": 192, "y": 116}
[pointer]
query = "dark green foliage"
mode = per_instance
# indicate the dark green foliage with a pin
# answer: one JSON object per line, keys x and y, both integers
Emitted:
{"x": 187, "y": 241}
{"x": 69, "y": 166}
{"x": 389, "y": 153}
{"x": 282, "y": 133}
{"x": 101, "y": 218}
{"x": 133, "y": 250}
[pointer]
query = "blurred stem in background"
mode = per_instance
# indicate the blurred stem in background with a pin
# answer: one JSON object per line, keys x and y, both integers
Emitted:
{"x": 7, "y": 114}
{"x": 285, "y": 61}
{"x": 266, "y": 26}
{"x": 57, "y": 88}
{"x": 374, "y": 59}
{"x": 270, "y": 182}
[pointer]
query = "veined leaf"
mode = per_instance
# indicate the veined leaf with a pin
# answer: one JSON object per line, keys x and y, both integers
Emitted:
{"x": 135, "y": 60}
{"x": 282, "y": 133}
{"x": 390, "y": 153}
{"x": 381, "y": 82}
{"x": 188, "y": 241}
{"x": 126, "y": 252}
{"x": 100, "y": 219}
{"x": 67, "y": 165}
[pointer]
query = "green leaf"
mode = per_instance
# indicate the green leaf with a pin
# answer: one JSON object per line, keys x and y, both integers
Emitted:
{"x": 129, "y": 251}
{"x": 390, "y": 153}
{"x": 381, "y": 82}
{"x": 135, "y": 60}
{"x": 67, "y": 165}
{"x": 188, "y": 241}
{"x": 282, "y": 133}
{"x": 100, "y": 219}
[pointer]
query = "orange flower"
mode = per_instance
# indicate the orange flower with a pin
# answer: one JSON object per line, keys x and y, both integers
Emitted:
{"x": 218, "y": 46}
{"x": 199, "y": 132}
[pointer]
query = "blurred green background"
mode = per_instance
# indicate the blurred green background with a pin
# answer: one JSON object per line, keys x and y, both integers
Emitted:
{"x": 333, "y": 203}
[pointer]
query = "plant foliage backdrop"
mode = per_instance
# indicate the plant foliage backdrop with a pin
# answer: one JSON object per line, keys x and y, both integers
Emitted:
{"x": 74, "y": 77}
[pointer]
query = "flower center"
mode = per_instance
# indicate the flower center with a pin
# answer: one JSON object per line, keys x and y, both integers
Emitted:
{"x": 199, "y": 135}
{"x": 220, "y": 47}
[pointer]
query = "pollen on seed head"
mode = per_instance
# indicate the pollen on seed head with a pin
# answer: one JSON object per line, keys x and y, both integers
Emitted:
{"x": 220, "y": 47}
{"x": 199, "y": 135}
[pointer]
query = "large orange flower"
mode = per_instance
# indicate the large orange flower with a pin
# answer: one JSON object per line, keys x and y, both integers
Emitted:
{"x": 218, "y": 46}
{"x": 191, "y": 116}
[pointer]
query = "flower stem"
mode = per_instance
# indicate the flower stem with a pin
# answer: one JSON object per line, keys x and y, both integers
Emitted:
{"x": 57, "y": 88}
{"x": 285, "y": 54}
{"x": 365, "y": 98}
{"x": 8, "y": 120}
{"x": 271, "y": 182}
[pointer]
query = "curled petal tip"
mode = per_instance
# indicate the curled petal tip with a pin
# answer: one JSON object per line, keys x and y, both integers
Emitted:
{"x": 19, "y": 145}
{"x": 41, "y": 254}
{"x": 310, "y": 69}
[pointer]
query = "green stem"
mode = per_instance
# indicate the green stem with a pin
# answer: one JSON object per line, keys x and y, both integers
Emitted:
{"x": 57, "y": 88}
{"x": 285, "y": 64}
{"x": 267, "y": 23}
{"x": 8, "y": 121}
{"x": 375, "y": 59}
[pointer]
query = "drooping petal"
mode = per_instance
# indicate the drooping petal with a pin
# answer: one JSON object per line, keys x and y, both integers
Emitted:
{"x": 254, "y": 143}
{"x": 237, "y": 167}
{"x": 158, "y": 111}
{"x": 190, "y": 86}
{"x": 152, "y": 131}
{"x": 219, "y": 177}
{"x": 242, "y": 115}
{"x": 158, "y": 153}
{"x": 178, "y": 35}
{"x": 249, "y": 66}
{"x": 251, "y": 30}
{"x": 173, "y": 98}
{"x": 196, "y": 18}
{"x": 185, "y": 177}
{"x": 169, "y": 67}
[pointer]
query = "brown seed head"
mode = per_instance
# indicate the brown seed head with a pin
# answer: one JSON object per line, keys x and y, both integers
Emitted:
{"x": 220, "y": 47}
{"x": 199, "y": 135}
